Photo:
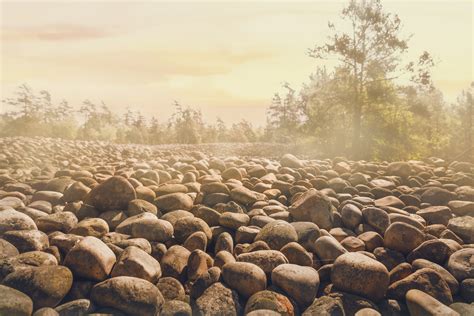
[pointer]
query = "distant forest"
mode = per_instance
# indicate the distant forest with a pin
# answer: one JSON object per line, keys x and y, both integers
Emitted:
{"x": 369, "y": 106}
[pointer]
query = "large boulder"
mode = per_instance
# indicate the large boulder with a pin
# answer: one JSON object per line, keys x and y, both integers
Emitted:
{"x": 91, "y": 259}
{"x": 267, "y": 260}
{"x": 359, "y": 274}
{"x": 185, "y": 227}
{"x": 148, "y": 226}
{"x": 96, "y": 227}
{"x": 76, "y": 192}
{"x": 129, "y": 295}
{"x": 399, "y": 168}
{"x": 14, "y": 220}
{"x": 137, "y": 263}
{"x": 328, "y": 249}
{"x": 377, "y": 218}
{"x": 313, "y": 206}
{"x": 175, "y": 261}
{"x": 462, "y": 208}
{"x": 437, "y": 196}
{"x": 463, "y": 227}
{"x": 403, "y": 237}
{"x": 426, "y": 280}
{"x": 14, "y": 302}
{"x": 420, "y": 303}
{"x": 113, "y": 194}
{"x": 245, "y": 196}
{"x": 325, "y": 305}
{"x": 461, "y": 264}
{"x": 277, "y": 234}
{"x": 61, "y": 221}
{"x": 244, "y": 277}
{"x": 300, "y": 283}
{"x": 27, "y": 240}
{"x": 448, "y": 277}
{"x": 45, "y": 285}
{"x": 174, "y": 201}
{"x": 290, "y": 161}
{"x": 436, "y": 215}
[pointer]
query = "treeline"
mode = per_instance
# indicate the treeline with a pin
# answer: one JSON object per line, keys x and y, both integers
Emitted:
{"x": 370, "y": 105}
{"x": 406, "y": 123}
{"x": 35, "y": 114}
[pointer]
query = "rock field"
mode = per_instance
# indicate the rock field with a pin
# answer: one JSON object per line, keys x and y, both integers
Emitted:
{"x": 91, "y": 228}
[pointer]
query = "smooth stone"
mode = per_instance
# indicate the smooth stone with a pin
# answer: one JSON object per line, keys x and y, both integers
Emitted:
{"x": 300, "y": 283}
{"x": 313, "y": 206}
{"x": 135, "y": 262}
{"x": 403, "y": 237}
{"x": 90, "y": 258}
{"x": 244, "y": 277}
{"x": 277, "y": 234}
{"x": 14, "y": 302}
{"x": 426, "y": 280}
{"x": 45, "y": 285}
{"x": 129, "y": 295}
{"x": 113, "y": 194}
{"x": 421, "y": 304}
{"x": 358, "y": 274}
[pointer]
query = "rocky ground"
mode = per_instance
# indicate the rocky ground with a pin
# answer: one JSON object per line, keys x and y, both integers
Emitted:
{"x": 91, "y": 228}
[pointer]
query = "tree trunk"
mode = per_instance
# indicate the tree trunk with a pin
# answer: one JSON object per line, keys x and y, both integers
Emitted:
{"x": 356, "y": 125}
{"x": 469, "y": 127}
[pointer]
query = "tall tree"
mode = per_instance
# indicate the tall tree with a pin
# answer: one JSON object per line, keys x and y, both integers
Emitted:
{"x": 370, "y": 51}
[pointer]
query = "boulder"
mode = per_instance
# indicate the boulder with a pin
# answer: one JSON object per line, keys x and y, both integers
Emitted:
{"x": 267, "y": 260}
{"x": 129, "y": 295}
{"x": 45, "y": 285}
{"x": 14, "y": 302}
{"x": 460, "y": 264}
{"x": 403, "y": 237}
{"x": 420, "y": 303}
{"x": 137, "y": 263}
{"x": 359, "y": 274}
{"x": 300, "y": 283}
{"x": 91, "y": 259}
{"x": 463, "y": 227}
{"x": 174, "y": 201}
{"x": 277, "y": 234}
{"x": 148, "y": 226}
{"x": 113, "y": 194}
{"x": 313, "y": 206}
{"x": 14, "y": 220}
{"x": 27, "y": 240}
{"x": 244, "y": 277}
{"x": 426, "y": 280}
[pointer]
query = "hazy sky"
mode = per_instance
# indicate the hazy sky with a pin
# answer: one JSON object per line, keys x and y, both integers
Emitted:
{"x": 226, "y": 57}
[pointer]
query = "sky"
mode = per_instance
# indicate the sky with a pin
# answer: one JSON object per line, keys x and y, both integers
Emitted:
{"x": 227, "y": 58}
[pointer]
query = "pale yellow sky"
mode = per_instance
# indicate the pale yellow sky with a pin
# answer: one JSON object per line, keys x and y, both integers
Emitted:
{"x": 226, "y": 57}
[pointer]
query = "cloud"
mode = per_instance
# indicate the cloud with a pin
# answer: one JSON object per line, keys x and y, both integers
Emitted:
{"x": 58, "y": 32}
{"x": 125, "y": 64}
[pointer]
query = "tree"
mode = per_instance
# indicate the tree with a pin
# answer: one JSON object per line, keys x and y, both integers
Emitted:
{"x": 464, "y": 109}
{"x": 187, "y": 123}
{"x": 284, "y": 114}
{"x": 325, "y": 101}
{"x": 222, "y": 133}
{"x": 370, "y": 53}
